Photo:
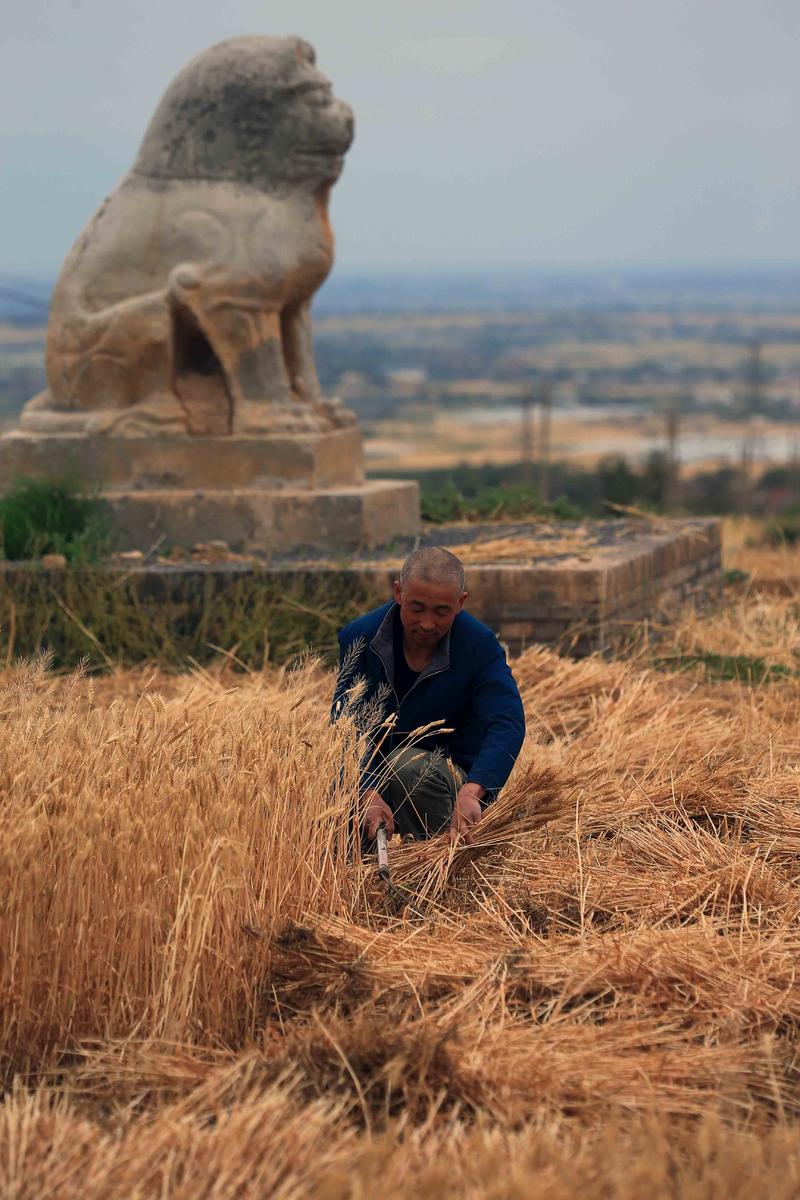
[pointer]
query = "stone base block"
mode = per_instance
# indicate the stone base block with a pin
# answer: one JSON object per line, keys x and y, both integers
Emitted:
{"x": 287, "y": 521}
{"x": 293, "y": 460}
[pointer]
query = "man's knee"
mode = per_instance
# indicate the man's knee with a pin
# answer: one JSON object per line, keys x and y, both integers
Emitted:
{"x": 410, "y": 767}
{"x": 419, "y": 791}
{"x": 408, "y": 763}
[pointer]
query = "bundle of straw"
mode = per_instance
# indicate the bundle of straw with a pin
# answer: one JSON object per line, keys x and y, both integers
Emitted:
{"x": 535, "y": 797}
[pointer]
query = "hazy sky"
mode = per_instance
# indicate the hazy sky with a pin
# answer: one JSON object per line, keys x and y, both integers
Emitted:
{"x": 487, "y": 131}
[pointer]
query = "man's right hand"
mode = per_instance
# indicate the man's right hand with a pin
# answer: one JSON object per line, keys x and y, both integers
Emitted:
{"x": 377, "y": 812}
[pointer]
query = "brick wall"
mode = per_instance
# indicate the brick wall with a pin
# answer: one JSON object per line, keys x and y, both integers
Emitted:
{"x": 585, "y": 604}
{"x": 580, "y": 603}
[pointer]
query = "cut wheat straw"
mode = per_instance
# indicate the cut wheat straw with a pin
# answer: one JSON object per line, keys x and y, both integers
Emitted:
{"x": 204, "y": 992}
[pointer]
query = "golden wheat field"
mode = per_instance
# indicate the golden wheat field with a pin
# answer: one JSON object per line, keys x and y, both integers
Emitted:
{"x": 202, "y": 994}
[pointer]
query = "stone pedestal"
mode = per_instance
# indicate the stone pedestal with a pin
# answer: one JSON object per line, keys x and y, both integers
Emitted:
{"x": 331, "y": 520}
{"x": 285, "y": 493}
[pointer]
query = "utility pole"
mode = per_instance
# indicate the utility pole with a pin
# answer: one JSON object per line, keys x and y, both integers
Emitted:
{"x": 545, "y": 427}
{"x": 746, "y": 482}
{"x": 527, "y": 433}
{"x": 671, "y": 497}
{"x": 752, "y": 406}
{"x": 754, "y": 380}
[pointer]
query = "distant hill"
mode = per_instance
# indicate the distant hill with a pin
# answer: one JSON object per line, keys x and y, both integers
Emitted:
{"x": 762, "y": 289}
{"x": 24, "y": 300}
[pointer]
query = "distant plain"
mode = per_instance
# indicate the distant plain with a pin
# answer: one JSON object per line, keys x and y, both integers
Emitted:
{"x": 437, "y": 366}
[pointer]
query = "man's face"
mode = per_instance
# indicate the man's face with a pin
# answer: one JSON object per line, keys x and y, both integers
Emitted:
{"x": 427, "y": 610}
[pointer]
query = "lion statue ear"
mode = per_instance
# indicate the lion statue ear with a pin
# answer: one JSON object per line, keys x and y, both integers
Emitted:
{"x": 306, "y": 51}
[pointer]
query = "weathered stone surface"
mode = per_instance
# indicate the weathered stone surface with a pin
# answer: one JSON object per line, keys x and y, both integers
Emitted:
{"x": 54, "y": 562}
{"x": 336, "y": 520}
{"x": 184, "y": 305}
{"x": 296, "y": 460}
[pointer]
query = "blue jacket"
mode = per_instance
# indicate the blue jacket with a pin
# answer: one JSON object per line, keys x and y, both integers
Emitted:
{"x": 467, "y": 684}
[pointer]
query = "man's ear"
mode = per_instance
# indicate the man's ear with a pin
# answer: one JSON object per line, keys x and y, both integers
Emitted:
{"x": 461, "y": 600}
{"x": 398, "y": 592}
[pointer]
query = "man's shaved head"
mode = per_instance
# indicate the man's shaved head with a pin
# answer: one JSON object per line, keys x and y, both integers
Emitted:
{"x": 433, "y": 564}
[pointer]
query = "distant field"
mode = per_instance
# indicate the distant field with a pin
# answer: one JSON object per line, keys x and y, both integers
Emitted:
{"x": 614, "y": 371}
{"x": 203, "y": 993}
{"x": 433, "y": 439}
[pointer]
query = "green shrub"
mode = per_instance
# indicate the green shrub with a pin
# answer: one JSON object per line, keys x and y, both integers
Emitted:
{"x": 442, "y": 504}
{"x": 507, "y": 500}
{"x": 736, "y": 575}
{"x": 563, "y": 508}
{"x": 52, "y": 516}
{"x": 784, "y": 528}
{"x": 743, "y": 668}
{"x": 491, "y": 501}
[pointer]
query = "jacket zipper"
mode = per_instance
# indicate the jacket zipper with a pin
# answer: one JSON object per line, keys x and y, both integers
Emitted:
{"x": 386, "y": 673}
{"x": 398, "y": 701}
{"x": 420, "y": 679}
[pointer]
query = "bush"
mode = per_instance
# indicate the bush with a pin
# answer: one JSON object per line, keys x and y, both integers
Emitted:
{"x": 490, "y": 501}
{"x": 439, "y": 505}
{"x": 785, "y": 528}
{"x": 52, "y": 516}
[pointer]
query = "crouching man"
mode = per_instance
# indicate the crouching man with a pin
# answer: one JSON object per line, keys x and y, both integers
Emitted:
{"x": 428, "y": 661}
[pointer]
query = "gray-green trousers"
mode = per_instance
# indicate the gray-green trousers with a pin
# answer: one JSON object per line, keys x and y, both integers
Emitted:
{"x": 420, "y": 789}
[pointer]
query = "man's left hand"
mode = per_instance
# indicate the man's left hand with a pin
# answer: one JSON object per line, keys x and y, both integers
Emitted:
{"x": 466, "y": 811}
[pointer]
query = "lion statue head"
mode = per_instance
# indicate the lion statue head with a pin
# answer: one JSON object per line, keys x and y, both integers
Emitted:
{"x": 252, "y": 110}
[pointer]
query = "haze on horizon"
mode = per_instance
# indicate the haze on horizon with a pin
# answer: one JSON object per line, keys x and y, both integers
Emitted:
{"x": 549, "y": 132}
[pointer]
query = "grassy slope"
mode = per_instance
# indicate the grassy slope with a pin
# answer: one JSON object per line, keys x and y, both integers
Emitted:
{"x": 200, "y": 997}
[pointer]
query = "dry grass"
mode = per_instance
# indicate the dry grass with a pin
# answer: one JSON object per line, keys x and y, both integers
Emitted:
{"x": 528, "y": 548}
{"x": 773, "y": 569}
{"x": 202, "y": 994}
{"x": 760, "y": 618}
{"x": 765, "y": 627}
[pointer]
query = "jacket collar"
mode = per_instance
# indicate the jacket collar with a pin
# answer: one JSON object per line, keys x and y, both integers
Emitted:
{"x": 383, "y": 645}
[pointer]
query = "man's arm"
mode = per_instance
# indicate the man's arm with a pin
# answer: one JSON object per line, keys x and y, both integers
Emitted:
{"x": 376, "y": 812}
{"x": 467, "y": 811}
{"x": 497, "y": 716}
{"x": 496, "y": 709}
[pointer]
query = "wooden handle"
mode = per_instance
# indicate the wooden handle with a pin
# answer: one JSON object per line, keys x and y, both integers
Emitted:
{"x": 383, "y": 852}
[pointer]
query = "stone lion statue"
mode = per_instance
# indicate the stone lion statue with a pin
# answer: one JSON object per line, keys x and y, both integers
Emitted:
{"x": 183, "y": 307}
